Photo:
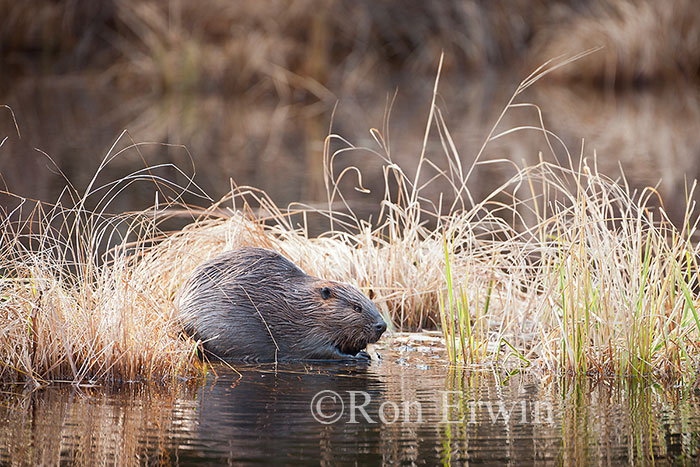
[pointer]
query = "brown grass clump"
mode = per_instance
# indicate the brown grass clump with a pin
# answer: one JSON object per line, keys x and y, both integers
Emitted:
{"x": 560, "y": 267}
{"x": 610, "y": 284}
{"x": 69, "y": 313}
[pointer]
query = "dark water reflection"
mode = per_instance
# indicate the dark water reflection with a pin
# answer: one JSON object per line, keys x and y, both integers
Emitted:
{"x": 275, "y": 142}
{"x": 266, "y": 415}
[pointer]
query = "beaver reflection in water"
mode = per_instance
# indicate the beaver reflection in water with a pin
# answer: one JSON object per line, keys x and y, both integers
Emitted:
{"x": 255, "y": 304}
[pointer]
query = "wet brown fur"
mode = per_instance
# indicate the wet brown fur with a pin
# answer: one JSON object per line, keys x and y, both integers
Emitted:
{"x": 253, "y": 303}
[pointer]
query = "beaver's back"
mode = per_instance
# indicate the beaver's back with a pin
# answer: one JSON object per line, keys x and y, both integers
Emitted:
{"x": 226, "y": 302}
{"x": 255, "y": 303}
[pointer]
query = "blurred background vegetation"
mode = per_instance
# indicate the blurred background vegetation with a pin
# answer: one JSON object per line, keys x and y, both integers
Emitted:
{"x": 251, "y": 88}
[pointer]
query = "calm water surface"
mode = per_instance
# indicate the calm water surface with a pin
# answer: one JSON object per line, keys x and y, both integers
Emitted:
{"x": 277, "y": 145}
{"x": 268, "y": 415}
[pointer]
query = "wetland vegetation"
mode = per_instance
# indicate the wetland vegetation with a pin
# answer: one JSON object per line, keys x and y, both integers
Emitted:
{"x": 539, "y": 240}
{"x": 561, "y": 266}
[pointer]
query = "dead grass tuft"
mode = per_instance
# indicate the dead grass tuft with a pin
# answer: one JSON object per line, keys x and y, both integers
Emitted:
{"x": 560, "y": 267}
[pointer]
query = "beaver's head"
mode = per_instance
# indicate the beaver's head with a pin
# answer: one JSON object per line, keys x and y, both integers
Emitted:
{"x": 350, "y": 319}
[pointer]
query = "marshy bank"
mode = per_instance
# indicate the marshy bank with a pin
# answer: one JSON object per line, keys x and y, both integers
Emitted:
{"x": 560, "y": 268}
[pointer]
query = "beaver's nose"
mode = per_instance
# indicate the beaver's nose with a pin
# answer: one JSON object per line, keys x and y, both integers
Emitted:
{"x": 380, "y": 327}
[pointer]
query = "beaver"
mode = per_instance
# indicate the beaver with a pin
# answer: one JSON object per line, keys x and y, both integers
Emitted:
{"x": 255, "y": 304}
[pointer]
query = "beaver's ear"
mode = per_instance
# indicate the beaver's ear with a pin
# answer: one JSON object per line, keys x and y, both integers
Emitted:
{"x": 326, "y": 293}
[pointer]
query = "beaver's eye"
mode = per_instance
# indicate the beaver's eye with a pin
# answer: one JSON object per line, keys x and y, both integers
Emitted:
{"x": 326, "y": 293}
{"x": 357, "y": 308}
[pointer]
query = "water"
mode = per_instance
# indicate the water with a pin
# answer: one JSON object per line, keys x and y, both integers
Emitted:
{"x": 268, "y": 415}
{"x": 277, "y": 145}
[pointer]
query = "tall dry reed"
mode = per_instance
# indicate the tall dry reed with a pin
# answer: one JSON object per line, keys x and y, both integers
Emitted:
{"x": 560, "y": 267}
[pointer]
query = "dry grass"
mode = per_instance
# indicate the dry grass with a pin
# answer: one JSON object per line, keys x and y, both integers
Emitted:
{"x": 560, "y": 267}
{"x": 69, "y": 313}
{"x": 609, "y": 284}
